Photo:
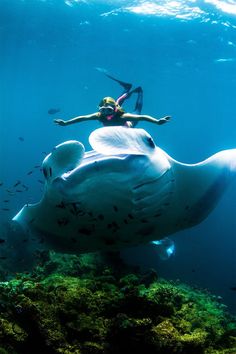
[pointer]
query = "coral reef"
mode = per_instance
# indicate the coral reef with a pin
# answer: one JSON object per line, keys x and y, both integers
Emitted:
{"x": 83, "y": 305}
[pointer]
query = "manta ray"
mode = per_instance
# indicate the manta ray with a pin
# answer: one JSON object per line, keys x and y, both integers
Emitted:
{"x": 125, "y": 192}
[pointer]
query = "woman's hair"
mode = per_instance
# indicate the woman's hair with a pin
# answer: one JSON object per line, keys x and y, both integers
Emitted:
{"x": 107, "y": 100}
{"x": 112, "y": 101}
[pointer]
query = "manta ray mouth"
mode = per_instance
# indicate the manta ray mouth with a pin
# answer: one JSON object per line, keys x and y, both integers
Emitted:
{"x": 122, "y": 178}
{"x": 95, "y": 169}
{"x": 93, "y": 156}
{"x": 96, "y": 162}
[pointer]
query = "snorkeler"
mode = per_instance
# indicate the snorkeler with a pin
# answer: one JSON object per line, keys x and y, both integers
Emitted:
{"x": 111, "y": 113}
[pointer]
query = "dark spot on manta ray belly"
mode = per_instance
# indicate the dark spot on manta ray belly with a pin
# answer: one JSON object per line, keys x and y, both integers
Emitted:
{"x": 146, "y": 230}
{"x": 62, "y": 221}
{"x": 108, "y": 241}
{"x": 85, "y": 231}
{"x": 113, "y": 226}
{"x": 144, "y": 221}
{"x": 61, "y": 205}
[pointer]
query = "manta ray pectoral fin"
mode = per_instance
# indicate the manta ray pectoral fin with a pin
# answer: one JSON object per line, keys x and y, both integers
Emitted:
{"x": 122, "y": 140}
{"x": 200, "y": 186}
{"x": 64, "y": 158}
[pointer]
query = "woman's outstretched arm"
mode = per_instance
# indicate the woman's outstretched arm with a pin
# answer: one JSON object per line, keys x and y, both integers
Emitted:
{"x": 93, "y": 116}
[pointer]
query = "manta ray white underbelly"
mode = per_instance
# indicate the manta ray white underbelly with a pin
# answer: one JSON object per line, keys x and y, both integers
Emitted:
{"x": 125, "y": 192}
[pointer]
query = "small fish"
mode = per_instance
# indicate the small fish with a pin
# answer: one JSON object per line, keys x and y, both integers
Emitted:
{"x": 53, "y": 110}
{"x": 2, "y": 240}
{"x": 1, "y": 183}
{"x": 21, "y": 138}
{"x": 85, "y": 231}
{"x": 6, "y": 201}
{"x": 3, "y": 258}
{"x": 29, "y": 173}
{"x": 233, "y": 288}
{"x": 10, "y": 192}
{"x": 101, "y": 70}
{"x": 40, "y": 181}
{"x": 17, "y": 183}
{"x": 19, "y": 191}
{"x": 37, "y": 166}
{"x": 5, "y": 209}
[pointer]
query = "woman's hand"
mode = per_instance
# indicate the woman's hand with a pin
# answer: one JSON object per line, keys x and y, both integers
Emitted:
{"x": 128, "y": 124}
{"x": 60, "y": 122}
{"x": 164, "y": 120}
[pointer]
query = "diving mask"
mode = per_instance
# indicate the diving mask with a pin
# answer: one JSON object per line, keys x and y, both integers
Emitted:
{"x": 107, "y": 110}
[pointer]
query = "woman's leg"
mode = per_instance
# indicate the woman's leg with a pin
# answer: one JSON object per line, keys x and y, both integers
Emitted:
{"x": 139, "y": 102}
{"x": 127, "y": 87}
{"x": 127, "y": 94}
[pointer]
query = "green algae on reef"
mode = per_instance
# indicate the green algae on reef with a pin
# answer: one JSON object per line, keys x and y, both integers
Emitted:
{"x": 77, "y": 305}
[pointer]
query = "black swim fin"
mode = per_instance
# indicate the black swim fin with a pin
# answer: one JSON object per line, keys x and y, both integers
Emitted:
{"x": 125, "y": 85}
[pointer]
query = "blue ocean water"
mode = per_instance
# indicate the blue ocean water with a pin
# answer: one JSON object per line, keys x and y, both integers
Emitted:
{"x": 183, "y": 54}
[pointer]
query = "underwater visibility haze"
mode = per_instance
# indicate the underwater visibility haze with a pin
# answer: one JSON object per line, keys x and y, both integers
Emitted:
{"x": 54, "y": 54}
